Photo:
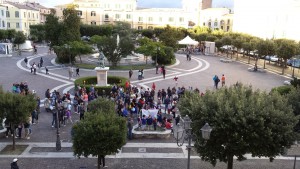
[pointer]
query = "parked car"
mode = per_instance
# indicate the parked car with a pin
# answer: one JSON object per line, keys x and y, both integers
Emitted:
{"x": 293, "y": 62}
{"x": 273, "y": 58}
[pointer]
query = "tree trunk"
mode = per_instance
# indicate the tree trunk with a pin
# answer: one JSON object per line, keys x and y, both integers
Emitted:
{"x": 249, "y": 59}
{"x": 14, "y": 141}
{"x": 80, "y": 58}
{"x": 230, "y": 162}
{"x": 99, "y": 162}
{"x": 264, "y": 63}
{"x": 237, "y": 54}
{"x": 283, "y": 67}
{"x": 227, "y": 53}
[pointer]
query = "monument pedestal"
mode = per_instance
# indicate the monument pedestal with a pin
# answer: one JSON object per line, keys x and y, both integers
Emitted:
{"x": 101, "y": 76}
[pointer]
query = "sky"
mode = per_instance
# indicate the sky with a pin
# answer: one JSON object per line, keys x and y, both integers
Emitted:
{"x": 147, "y": 3}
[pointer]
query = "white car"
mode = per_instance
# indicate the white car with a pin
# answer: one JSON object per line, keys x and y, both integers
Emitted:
{"x": 274, "y": 58}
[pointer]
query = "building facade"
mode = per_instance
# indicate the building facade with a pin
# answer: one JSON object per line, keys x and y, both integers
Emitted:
{"x": 98, "y": 12}
{"x": 269, "y": 19}
{"x": 217, "y": 19}
{"x": 2, "y": 17}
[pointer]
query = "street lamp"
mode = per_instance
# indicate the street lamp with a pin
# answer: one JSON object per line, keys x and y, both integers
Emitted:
{"x": 185, "y": 133}
{"x": 157, "y": 52}
{"x": 58, "y": 143}
{"x": 68, "y": 47}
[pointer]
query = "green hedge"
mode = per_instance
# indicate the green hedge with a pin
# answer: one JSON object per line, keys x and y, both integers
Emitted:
{"x": 282, "y": 90}
{"x": 88, "y": 81}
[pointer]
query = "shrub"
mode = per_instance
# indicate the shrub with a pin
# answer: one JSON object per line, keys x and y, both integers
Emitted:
{"x": 282, "y": 90}
{"x": 87, "y": 82}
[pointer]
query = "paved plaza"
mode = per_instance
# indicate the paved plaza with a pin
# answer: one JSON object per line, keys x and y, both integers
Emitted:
{"x": 137, "y": 153}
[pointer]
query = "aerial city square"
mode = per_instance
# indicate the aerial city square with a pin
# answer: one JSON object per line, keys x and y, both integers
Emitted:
{"x": 140, "y": 84}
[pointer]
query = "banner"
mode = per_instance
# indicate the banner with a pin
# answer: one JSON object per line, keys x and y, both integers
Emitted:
{"x": 152, "y": 112}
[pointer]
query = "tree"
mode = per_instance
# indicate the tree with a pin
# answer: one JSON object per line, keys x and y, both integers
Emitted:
{"x": 16, "y": 108}
{"x": 227, "y": 40}
{"x": 100, "y": 30}
{"x": 293, "y": 99}
{"x": 100, "y": 133}
{"x": 266, "y": 47}
{"x": 170, "y": 36}
{"x": 238, "y": 43}
{"x": 53, "y": 30}
{"x": 3, "y": 34}
{"x": 19, "y": 38}
{"x": 37, "y": 32}
{"x": 11, "y": 33}
{"x": 101, "y": 105}
{"x": 113, "y": 51}
{"x": 285, "y": 50}
{"x": 71, "y": 25}
{"x": 243, "y": 121}
{"x": 79, "y": 48}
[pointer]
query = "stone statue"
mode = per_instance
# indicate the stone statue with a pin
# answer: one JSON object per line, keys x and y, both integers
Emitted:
{"x": 101, "y": 60}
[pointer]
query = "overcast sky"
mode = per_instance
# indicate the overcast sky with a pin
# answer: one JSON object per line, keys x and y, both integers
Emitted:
{"x": 147, "y": 3}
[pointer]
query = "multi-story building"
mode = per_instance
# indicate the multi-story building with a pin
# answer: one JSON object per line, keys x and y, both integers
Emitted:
{"x": 98, "y": 12}
{"x": 2, "y": 17}
{"x": 269, "y": 19}
{"x": 217, "y": 19}
{"x": 44, "y": 11}
{"x": 20, "y": 17}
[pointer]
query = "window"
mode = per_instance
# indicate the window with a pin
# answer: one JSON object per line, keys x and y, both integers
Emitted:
{"x": 106, "y": 6}
{"x": 215, "y": 24}
{"x": 181, "y": 19}
{"x": 150, "y": 19}
{"x": 17, "y": 25}
{"x": 117, "y": 16}
{"x": 128, "y": 16}
{"x": 228, "y": 21}
{"x": 25, "y": 24}
{"x": 3, "y": 24}
{"x": 140, "y": 19}
{"x": 79, "y": 13}
{"x": 37, "y": 16}
{"x": 117, "y": 6}
{"x": 203, "y": 23}
{"x": 228, "y": 28}
{"x": 17, "y": 14}
{"x": 93, "y": 23}
{"x": 140, "y": 27}
{"x": 171, "y": 19}
{"x": 150, "y": 27}
{"x": 28, "y": 14}
{"x": 222, "y": 27}
{"x": 93, "y": 13}
{"x": 2, "y": 12}
{"x": 24, "y": 14}
{"x": 33, "y": 15}
{"x": 209, "y": 24}
{"x": 160, "y": 19}
{"x": 106, "y": 17}
{"x": 128, "y": 6}
{"x": 8, "y": 24}
{"x": 7, "y": 14}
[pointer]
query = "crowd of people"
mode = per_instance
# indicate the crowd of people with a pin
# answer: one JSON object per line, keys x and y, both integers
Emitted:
{"x": 23, "y": 89}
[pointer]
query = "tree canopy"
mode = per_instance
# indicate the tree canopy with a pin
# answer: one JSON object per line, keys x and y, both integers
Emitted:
{"x": 16, "y": 108}
{"x": 19, "y": 38}
{"x": 243, "y": 121}
{"x": 99, "y": 134}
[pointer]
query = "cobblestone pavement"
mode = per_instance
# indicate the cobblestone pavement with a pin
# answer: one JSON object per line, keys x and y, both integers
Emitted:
{"x": 197, "y": 73}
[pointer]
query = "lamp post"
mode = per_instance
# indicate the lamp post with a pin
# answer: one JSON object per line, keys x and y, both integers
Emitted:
{"x": 58, "y": 143}
{"x": 157, "y": 52}
{"x": 185, "y": 133}
{"x": 68, "y": 47}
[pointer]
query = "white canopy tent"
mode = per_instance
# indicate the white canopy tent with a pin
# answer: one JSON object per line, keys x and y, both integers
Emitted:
{"x": 188, "y": 41}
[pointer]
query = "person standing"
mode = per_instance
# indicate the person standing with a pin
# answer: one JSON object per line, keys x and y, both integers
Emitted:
{"x": 216, "y": 81}
{"x": 77, "y": 71}
{"x": 14, "y": 164}
{"x": 41, "y": 62}
{"x": 163, "y": 71}
{"x": 70, "y": 73}
{"x": 223, "y": 80}
{"x": 130, "y": 73}
{"x": 156, "y": 67}
{"x": 130, "y": 126}
{"x": 176, "y": 82}
{"x": 47, "y": 71}
{"x": 102, "y": 161}
{"x": 26, "y": 61}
